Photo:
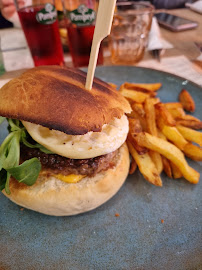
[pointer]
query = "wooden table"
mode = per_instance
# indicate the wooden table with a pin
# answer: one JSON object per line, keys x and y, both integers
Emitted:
{"x": 183, "y": 42}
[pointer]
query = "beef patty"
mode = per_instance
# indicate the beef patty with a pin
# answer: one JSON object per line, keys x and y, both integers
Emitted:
{"x": 55, "y": 164}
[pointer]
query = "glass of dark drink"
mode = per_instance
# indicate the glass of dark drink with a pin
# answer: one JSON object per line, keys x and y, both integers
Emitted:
{"x": 81, "y": 17}
{"x": 40, "y": 26}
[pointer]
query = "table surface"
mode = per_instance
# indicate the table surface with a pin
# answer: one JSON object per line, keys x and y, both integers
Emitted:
{"x": 183, "y": 42}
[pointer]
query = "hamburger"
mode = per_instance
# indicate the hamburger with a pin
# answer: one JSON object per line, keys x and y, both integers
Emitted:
{"x": 65, "y": 153}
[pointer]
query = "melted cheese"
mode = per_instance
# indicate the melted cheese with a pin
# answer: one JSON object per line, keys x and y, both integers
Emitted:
{"x": 71, "y": 178}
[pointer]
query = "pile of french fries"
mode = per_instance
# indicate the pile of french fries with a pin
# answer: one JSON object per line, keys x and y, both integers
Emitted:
{"x": 162, "y": 134}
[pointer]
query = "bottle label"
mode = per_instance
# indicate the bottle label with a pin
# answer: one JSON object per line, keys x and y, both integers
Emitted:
{"x": 82, "y": 16}
{"x": 47, "y": 15}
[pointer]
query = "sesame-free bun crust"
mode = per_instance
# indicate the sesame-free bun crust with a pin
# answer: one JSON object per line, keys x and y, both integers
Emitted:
{"x": 55, "y": 97}
{"x": 51, "y": 196}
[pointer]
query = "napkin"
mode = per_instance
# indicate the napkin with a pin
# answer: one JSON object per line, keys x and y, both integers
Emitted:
{"x": 12, "y": 38}
{"x": 196, "y": 6}
{"x": 155, "y": 41}
{"x": 16, "y": 54}
{"x": 19, "y": 59}
{"x": 178, "y": 65}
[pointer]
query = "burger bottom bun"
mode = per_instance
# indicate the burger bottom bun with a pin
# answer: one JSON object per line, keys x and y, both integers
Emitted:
{"x": 51, "y": 196}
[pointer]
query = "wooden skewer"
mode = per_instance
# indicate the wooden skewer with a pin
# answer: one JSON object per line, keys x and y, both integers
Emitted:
{"x": 102, "y": 30}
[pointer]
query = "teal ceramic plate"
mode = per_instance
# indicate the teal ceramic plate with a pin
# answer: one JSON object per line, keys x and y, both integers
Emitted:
{"x": 137, "y": 239}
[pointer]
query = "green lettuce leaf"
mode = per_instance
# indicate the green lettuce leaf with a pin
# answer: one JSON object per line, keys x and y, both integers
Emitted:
{"x": 27, "y": 172}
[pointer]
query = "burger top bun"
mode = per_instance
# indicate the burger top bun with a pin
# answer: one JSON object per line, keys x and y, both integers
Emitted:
{"x": 55, "y": 97}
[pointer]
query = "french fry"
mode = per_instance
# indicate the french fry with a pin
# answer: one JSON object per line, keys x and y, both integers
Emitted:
{"x": 134, "y": 114}
{"x": 160, "y": 134}
{"x": 157, "y": 159}
{"x": 147, "y": 86}
{"x": 173, "y": 105}
{"x": 140, "y": 149}
{"x": 190, "y": 134}
{"x": 163, "y": 113}
{"x": 146, "y": 166}
{"x": 134, "y": 126}
{"x": 187, "y": 101}
{"x": 125, "y": 86}
{"x": 176, "y": 173}
{"x": 134, "y": 95}
{"x": 133, "y": 166}
{"x": 155, "y": 100}
{"x": 150, "y": 116}
{"x": 177, "y": 113}
{"x": 113, "y": 85}
{"x": 171, "y": 152}
{"x": 189, "y": 123}
{"x": 138, "y": 108}
{"x": 173, "y": 135}
{"x": 190, "y": 117}
{"x": 194, "y": 152}
{"x": 167, "y": 167}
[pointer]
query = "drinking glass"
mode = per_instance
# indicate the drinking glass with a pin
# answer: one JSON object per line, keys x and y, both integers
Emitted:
{"x": 129, "y": 33}
{"x": 81, "y": 17}
{"x": 40, "y": 26}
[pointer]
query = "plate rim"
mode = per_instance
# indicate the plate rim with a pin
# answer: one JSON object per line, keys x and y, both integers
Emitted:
{"x": 153, "y": 69}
